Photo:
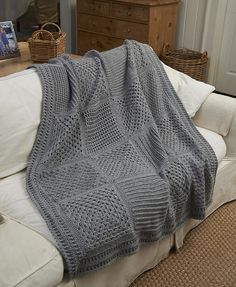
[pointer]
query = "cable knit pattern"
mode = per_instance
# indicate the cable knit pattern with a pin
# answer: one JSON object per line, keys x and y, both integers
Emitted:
{"x": 117, "y": 162}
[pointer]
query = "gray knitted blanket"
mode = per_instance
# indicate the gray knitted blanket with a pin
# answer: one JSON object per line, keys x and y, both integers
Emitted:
{"x": 116, "y": 162}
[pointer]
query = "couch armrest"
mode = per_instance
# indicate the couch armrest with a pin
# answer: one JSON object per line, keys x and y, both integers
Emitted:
{"x": 218, "y": 113}
{"x": 230, "y": 139}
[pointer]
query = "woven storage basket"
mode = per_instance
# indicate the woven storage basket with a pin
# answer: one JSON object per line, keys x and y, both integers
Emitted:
{"x": 186, "y": 61}
{"x": 44, "y": 45}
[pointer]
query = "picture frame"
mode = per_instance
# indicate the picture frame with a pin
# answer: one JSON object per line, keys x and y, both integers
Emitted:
{"x": 8, "y": 43}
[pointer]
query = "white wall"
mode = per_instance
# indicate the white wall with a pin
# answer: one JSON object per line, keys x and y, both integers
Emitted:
{"x": 199, "y": 30}
{"x": 191, "y": 20}
{"x": 68, "y": 23}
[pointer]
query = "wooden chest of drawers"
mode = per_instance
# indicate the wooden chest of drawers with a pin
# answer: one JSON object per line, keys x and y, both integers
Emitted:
{"x": 104, "y": 24}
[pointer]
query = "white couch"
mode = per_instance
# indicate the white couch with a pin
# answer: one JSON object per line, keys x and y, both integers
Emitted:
{"x": 28, "y": 256}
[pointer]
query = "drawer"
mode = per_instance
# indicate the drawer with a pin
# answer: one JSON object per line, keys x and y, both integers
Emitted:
{"x": 113, "y": 27}
{"x": 88, "y": 41}
{"x": 93, "y": 7}
{"x": 128, "y": 12}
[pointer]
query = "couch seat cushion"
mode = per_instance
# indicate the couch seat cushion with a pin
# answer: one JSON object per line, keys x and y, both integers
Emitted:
{"x": 27, "y": 259}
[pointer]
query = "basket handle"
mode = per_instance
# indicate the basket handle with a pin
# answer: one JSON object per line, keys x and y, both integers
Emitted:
{"x": 166, "y": 48}
{"x": 38, "y": 32}
{"x": 52, "y": 24}
{"x": 204, "y": 55}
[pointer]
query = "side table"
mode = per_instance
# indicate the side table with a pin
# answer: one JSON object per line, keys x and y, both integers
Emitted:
{"x": 18, "y": 64}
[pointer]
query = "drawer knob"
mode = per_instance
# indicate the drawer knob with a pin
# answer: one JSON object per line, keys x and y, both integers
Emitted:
{"x": 128, "y": 30}
{"x": 129, "y": 13}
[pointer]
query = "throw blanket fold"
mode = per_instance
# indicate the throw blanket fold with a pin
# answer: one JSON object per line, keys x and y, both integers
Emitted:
{"x": 116, "y": 162}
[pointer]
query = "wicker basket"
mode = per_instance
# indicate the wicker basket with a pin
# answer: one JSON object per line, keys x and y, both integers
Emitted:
{"x": 44, "y": 45}
{"x": 186, "y": 61}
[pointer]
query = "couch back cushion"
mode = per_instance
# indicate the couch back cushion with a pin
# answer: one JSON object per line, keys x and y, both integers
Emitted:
{"x": 20, "y": 107}
{"x": 191, "y": 92}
